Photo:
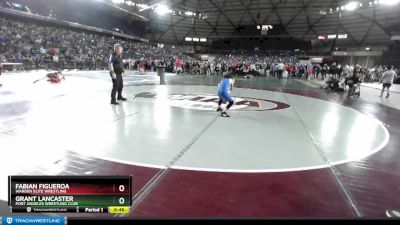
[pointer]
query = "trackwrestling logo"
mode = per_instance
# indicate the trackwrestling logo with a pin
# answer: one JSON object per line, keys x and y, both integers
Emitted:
{"x": 33, "y": 220}
{"x": 207, "y": 102}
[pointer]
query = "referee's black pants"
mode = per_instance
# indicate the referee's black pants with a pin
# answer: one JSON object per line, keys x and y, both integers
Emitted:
{"x": 118, "y": 85}
{"x": 280, "y": 72}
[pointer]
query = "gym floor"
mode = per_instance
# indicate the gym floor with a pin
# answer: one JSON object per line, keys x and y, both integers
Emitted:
{"x": 289, "y": 148}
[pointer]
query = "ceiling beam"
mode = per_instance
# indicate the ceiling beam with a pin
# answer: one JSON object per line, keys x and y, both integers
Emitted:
{"x": 246, "y": 10}
{"x": 223, "y": 13}
{"x": 369, "y": 28}
{"x": 274, "y": 6}
{"x": 375, "y": 22}
{"x": 304, "y": 8}
{"x": 214, "y": 28}
{"x": 170, "y": 26}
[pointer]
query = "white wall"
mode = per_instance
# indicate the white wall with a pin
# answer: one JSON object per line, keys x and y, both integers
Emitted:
{"x": 362, "y": 61}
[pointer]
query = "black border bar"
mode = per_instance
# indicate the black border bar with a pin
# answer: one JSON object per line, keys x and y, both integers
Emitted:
{"x": 9, "y": 190}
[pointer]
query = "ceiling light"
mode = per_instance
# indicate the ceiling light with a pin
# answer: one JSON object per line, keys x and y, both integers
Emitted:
{"x": 351, "y": 6}
{"x": 389, "y": 2}
{"x": 162, "y": 10}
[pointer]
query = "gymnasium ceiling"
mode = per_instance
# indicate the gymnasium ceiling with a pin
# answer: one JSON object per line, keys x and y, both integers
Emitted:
{"x": 369, "y": 25}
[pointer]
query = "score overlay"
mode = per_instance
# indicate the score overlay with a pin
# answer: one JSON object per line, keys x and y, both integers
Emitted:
{"x": 74, "y": 194}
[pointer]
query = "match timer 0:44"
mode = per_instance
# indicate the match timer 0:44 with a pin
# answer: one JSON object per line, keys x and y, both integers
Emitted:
{"x": 75, "y": 194}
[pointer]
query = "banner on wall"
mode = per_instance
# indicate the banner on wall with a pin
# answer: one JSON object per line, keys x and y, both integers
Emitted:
{"x": 317, "y": 60}
{"x": 357, "y": 53}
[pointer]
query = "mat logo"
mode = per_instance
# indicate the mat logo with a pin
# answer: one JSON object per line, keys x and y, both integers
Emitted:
{"x": 206, "y": 102}
{"x": 9, "y": 220}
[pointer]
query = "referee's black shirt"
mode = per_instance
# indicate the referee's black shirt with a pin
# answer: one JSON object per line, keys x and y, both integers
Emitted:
{"x": 117, "y": 63}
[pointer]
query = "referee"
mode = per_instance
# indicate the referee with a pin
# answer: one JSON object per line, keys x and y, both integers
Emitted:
{"x": 116, "y": 68}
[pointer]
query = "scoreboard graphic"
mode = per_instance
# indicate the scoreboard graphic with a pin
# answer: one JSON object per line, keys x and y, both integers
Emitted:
{"x": 70, "y": 194}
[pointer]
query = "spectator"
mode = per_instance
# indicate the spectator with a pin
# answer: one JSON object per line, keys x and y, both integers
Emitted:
{"x": 387, "y": 81}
